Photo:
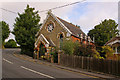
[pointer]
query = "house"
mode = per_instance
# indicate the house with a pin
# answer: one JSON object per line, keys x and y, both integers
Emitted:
{"x": 54, "y": 30}
{"x": 115, "y": 44}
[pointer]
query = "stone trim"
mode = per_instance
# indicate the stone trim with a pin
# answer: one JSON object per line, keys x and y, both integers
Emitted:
{"x": 45, "y": 39}
{"x": 58, "y": 35}
{"x": 39, "y": 38}
{"x": 61, "y": 23}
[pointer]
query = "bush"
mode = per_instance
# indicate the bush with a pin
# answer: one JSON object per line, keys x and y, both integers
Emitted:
{"x": 11, "y": 44}
{"x": 83, "y": 50}
{"x": 108, "y": 51}
{"x": 55, "y": 54}
{"x": 80, "y": 49}
{"x": 96, "y": 54}
{"x": 68, "y": 47}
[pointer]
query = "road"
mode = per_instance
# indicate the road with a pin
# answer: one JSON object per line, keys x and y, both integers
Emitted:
{"x": 13, "y": 67}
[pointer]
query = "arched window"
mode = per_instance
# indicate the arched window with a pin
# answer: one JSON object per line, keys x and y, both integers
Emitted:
{"x": 61, "y": 41}
{"x": 61, "y": 36}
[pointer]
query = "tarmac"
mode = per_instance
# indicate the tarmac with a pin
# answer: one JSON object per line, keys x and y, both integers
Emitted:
{"x": 94, "y": 74}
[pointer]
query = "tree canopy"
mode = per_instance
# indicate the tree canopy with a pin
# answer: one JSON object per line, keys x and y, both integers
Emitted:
{"x": 104, "y": 32}
{"x": 10, "y": 44}
{"x": 68, "y": 47}
{"x": 108, "y": 51}
{"x": 25, "y": 27}
{"x": 5, "y": 31}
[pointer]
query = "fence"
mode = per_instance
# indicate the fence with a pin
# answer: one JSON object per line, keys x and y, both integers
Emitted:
{"x": 91, "y": 64}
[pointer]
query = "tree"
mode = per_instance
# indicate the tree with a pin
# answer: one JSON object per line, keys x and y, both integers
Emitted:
{"x": 68, "y": 47}
{"x": 25, "y": 28}
{"x": 5, "y": 31}
{"x": 104, "y": 32}
{"x": 108, "y": 51}
{"x": 10, "y": 44}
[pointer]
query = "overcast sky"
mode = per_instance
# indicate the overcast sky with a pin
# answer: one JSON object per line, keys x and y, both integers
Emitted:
{"x": 86, "y": 14}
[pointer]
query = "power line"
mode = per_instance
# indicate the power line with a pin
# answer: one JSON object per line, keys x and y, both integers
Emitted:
{"x": 62, "y": 6}
{"x": 8, "y": 10}
{"x": 46, "y": 9}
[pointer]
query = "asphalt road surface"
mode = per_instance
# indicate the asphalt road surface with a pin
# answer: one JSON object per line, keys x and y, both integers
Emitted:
{"x": 13, "y": 67}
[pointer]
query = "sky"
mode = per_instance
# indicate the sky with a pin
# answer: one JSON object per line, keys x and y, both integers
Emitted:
{"x": 86, "y": 14}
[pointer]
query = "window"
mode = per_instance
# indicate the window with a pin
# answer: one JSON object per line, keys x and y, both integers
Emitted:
{"x": 114, "y": 48}
{"x": 68, "y": 34}
{"x": 118, "y": 49}
{"x": 60, "y": 36}
{"x": 79, "y": 35}
{"x": 61, "y": 41}
{"x": 50, "y": 27}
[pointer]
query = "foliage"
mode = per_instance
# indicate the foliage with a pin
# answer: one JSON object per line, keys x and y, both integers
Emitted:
{"x": 55, "y": 54}
{"x": 42, "y": 49}
{"x": 68, "y": 47}
{"x": 83, "y": 50}
{"x": 104, "y": 32}
{"x": 78, "y": 49}
{"x": 108, "y": 51}
{"x": 86, "y": 50}
{"x": 10, "y": 44}
{"x": 51, "y": 53}
{"x": 5, "y": 31}
{"x": 96, "y": 54}
{"x": 25, "y": 27}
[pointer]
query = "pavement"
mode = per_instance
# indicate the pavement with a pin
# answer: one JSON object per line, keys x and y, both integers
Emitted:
{"x": 23, "y": 65}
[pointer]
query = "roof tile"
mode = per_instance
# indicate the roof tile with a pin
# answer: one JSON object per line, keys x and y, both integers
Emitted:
{"x": 75, "y": 30}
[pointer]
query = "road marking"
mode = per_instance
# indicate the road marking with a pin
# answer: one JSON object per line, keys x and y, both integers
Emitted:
{"x": 7, "y": 61}
{"x": 37, "y": 72}
{"x": 63, "y": 69}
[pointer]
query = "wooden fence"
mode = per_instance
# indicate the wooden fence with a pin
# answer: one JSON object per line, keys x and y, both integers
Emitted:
{"x": 91, "y": 64}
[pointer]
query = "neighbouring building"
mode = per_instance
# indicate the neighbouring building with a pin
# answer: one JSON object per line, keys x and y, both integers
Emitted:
{"x": 54, "y": 30}
{"x": 115, "y": 44}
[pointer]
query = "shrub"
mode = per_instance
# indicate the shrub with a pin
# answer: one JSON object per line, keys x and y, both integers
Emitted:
{"x": 96, "y": 54}
{"x": 10, "y": 44}
{"x": 83, "y": 50}
{"x": 68, "y": 47}
{"x": 80, "y": 49}
{"x": 108, "y": 51}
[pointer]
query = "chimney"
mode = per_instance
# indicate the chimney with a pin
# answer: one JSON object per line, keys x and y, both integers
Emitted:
{"x": 81, "y": 36}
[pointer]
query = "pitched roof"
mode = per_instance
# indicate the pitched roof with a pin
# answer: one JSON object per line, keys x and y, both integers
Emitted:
{"x": 75, "y": 30}
{"x": 113, "y": 39}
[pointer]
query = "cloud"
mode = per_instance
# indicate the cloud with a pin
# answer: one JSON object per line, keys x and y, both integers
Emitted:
{"x": 97, "y": 12}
